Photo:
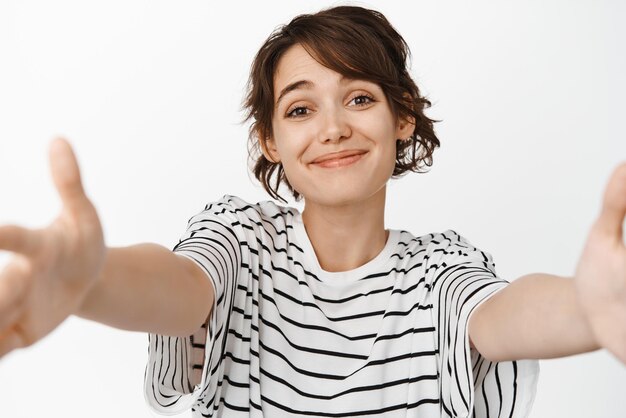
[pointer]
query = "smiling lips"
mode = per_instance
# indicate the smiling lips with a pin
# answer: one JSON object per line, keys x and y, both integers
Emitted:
{"x": 339, "y": 159}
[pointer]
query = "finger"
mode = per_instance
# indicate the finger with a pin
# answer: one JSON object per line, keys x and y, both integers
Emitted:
{"x": 19, "y": 240}
{"x": 614, "y": 204}
{"x": 65, "y": 173}
{"x": 14, "y": 282}
{"x": 11, "y": 340}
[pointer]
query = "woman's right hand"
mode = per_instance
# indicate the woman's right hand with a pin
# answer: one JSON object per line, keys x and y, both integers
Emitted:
{"x": 53, "y": 268}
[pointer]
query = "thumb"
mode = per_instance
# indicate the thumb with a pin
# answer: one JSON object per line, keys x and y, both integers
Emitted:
{"x": 614, "y": 204}
{"x": 65, "y": 172}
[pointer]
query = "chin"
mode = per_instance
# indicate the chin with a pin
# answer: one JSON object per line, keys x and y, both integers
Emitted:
{"x": 337, "y": 197}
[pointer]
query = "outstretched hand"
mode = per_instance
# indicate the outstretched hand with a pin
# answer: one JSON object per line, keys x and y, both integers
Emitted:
{"x": 601, "y": 272}
{"x": 53, "y": 268}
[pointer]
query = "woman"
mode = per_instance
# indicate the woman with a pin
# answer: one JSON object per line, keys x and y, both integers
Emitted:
{"x": 324, "y": 312}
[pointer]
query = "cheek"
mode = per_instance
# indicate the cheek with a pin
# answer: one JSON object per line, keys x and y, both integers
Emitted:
{"x": 384, "y": 136}
{"x": 290, "y": 143}
{"x": 389, "y": 149}
{"x": 294, "y": 175}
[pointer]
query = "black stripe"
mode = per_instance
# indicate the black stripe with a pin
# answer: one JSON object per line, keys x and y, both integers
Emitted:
{"x": 379, "y": 386}
{"x": 514, "y": 363}
{"x": 350, "y": 413}
{"x": 235, "y": 243}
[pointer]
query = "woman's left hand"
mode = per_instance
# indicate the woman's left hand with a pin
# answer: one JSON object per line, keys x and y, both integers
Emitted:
{"x": 600, "y": 277}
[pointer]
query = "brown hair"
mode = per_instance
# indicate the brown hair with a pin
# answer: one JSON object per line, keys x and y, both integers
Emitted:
{"x": 358, "y": 43}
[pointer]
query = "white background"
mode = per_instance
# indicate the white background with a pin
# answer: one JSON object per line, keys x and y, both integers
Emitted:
{"x": 148, "y": 92}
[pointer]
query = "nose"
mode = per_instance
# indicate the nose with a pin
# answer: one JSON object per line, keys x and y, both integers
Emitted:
{"x": 334, "y": 127}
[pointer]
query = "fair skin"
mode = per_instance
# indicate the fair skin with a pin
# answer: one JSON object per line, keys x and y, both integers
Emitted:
{"x": 66, "y": 269}
{"x": 537, "y": 316}
{"x": 342, "y": 204}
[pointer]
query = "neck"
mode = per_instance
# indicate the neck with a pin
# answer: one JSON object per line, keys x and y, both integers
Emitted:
{"x": 347, "y": 236}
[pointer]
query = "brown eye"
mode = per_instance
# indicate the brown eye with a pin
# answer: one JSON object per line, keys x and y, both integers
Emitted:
{"x": 297, "y": 111}
{"x": 362, "y": 100}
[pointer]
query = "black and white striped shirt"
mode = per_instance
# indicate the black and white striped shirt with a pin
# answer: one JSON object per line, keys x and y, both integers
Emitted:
{"x": 286, "y": 338}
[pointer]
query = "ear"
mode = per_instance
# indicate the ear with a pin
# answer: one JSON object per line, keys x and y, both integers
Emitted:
{"x": 268, "y": 147}
{"x": 406, "y": 125}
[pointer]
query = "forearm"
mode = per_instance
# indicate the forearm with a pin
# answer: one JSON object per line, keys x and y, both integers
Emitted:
{"x": 536, "y": 317}
{"x": 148, "y": 288}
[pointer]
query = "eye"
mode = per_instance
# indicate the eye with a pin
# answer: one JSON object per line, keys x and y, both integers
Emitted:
{"x": 297, "y": 111}
{"x": 362, "y": 99}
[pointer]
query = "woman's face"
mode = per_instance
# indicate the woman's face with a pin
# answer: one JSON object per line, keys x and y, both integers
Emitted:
{"x": 318, "y": 112}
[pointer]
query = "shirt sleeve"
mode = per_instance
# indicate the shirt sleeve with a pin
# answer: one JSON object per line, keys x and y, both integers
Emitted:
{"x": 212, "y": 240}
{"x": 461, "y": 278}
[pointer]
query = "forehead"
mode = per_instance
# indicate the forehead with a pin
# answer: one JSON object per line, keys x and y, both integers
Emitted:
{"x": 297, "y": 64}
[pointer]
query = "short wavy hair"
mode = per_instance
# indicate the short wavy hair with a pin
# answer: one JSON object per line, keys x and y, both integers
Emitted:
{"x": 358, "y": 43}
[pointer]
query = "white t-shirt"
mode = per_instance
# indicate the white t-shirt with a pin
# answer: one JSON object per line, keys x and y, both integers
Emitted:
{"x": 286, "y": 338}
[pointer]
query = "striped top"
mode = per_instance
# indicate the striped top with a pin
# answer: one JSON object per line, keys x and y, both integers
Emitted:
{"x": 289, "y": 339}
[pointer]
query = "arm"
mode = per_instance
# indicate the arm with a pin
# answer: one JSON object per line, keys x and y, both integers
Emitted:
{"x": 543, "y": 316}
{"x": 66, "y": 269}
{"x": 537, "y": 316}
{"x": 146, "y": 287}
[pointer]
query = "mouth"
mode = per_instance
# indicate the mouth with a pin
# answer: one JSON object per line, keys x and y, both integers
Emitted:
{"x": 340, "y": 162}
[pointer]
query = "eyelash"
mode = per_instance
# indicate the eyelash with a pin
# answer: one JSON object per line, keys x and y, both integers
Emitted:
{"x": 291, "y": 114}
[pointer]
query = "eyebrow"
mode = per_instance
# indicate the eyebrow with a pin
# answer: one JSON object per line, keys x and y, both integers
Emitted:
{"x": 300, "y": 84}
{"x": 306, "y": 85}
